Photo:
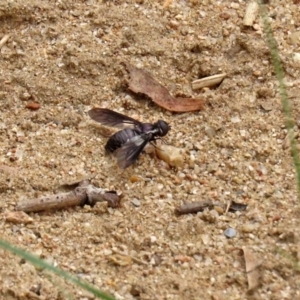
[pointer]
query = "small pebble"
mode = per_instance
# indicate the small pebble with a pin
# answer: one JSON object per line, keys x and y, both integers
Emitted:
{"x": 234, "y": 5}
{"x": 136, "y": 202}
{"x": 205, "y": 239}
{"x": 247, "y": 228}
{"x": 235, "y": 119}
{"x": 75, "y": 13}
{"x": 224, "y": 15}
{"x": 33, "y": 105}
{"x": 17, "y": 217}
{"x": 170, "y": 155}
{"x": 25, "y": 96}
{"x": 266, "y": 106}
{"x": 153, "y": 239}
{"x": 107, "y": 252}
{"x": 210, "y": 131}
{"x": 296, "y": 57}
{"x": 230, "y": 232}
{"x": 135, "y": 178}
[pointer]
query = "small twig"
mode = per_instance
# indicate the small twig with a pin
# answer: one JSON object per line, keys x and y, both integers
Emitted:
{"x": 4, "y": 40}
{"x": 194, "y": 207}
{"x": 62, "y": 200}
{"x": 228, "y": 206}
{"x": 85, "y": 193}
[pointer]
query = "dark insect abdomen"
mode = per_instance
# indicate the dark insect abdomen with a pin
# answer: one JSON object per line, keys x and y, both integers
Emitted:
{"x": 120, "y": 138}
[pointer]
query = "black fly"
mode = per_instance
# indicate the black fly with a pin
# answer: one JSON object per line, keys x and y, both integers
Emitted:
{"x": 128, "y": 143}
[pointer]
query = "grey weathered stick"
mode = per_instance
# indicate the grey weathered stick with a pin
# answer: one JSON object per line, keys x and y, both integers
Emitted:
{"x": 53, "y": 201}
{"x": 83, "y": 194}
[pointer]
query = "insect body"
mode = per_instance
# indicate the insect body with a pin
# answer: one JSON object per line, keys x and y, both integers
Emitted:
{"x": 128, "y": 143}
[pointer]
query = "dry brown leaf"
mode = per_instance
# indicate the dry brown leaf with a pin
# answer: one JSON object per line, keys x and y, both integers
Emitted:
{"x": 142, "y": 82}
{"x": 253, "y": 274}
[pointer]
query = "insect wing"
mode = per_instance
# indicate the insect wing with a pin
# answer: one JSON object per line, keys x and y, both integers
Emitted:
{"x": 130, "y": 151}
{"x": 111, "y": 118}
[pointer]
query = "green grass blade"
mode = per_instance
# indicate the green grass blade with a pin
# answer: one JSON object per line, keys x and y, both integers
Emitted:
{"x": 289, "y": 123}
{"x": 42, "y": 264}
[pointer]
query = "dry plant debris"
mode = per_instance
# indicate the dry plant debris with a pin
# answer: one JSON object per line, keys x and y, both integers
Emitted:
{"x": 85, "y": 193}
{"x": 251, "y": 13}
{"x": 4, "y": 40}
{"x": 208, "y": 81}
{"x": 194, "y": 207}
{"x": 141, "y": 81}
{"x": 252, "y": 264}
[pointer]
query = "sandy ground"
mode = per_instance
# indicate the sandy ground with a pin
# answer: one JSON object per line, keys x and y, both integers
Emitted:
{"x": 67, "y": 56}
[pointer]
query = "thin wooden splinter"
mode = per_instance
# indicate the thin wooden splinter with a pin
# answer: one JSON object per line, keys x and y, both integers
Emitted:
{"x": 4, "y": 40}
{"x": 83, "y": 194}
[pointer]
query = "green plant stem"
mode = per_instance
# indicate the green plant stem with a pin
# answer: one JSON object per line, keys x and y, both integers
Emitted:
{"x": 42, "y": 264}
{"x": 289, "y": 123}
